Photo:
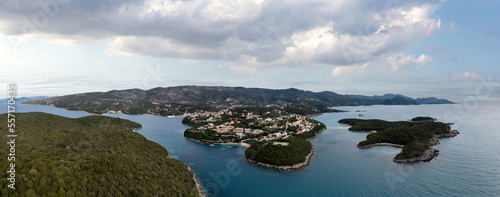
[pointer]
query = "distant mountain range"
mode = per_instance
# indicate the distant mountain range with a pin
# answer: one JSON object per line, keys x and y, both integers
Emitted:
{"x": 24, "y": 99}
{"x": 181, "y": 99}
{"x": 404, "y": 99}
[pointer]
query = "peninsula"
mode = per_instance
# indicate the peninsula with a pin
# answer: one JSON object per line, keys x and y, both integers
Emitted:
{"x": 415, "y": 136}
{"x": 90, "y": 156}
{"x": 275, "y": 138}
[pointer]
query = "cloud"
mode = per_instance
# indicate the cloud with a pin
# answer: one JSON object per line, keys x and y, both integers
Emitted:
{"x": 466, "y": 76}
{"x": 490, "y": 33}
{"x": 453, "y": 26}
{"x": 343, "y": 70}
{"x": 434, "y": 48}
{"x": 249, "y": 35}
{"x": 392, "y": 63}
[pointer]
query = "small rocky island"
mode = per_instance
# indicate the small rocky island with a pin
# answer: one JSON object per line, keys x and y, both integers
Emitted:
{"x": 275, "y": 138}
{"x": 415, "y": 136}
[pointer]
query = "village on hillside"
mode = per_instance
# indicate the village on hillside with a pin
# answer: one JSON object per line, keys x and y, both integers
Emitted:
{"x": 238, "y": 124}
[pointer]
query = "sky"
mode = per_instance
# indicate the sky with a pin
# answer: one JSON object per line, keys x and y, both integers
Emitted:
{"x": 446, "y": 49}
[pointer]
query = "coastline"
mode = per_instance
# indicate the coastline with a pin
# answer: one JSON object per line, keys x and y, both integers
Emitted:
{"x": 316, "y": 134}
{"x": 311, "y": 115}
{"x": 198, "y": 185}
{"x": 286, "y": 168}
{"x": 276, "y": 167}
{"x": 244, "y": 144}
{"x": 381, "y": 144}
{"x": 321, "y": 113}
{"x": 24, "y": 103}
{"x": 428, "y": 155}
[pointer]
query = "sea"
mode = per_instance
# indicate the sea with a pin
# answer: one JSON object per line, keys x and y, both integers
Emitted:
{"x": 468, "y": 164}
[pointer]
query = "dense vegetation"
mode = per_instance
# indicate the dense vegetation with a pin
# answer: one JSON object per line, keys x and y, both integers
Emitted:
{"x": 412, "y": 149}
{"x": 181, "y": 99}
{"x": 211, "y": 136}
{"x": 89, "y": 156}
{"x": 382, "y": 125}
{"x": 422, "y": 118}
{"x": 280, "y": 155}
{"x": 413, "y": 135}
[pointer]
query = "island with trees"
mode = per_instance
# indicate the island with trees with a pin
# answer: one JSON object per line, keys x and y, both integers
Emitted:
{"x": 415, "y": 136}
{"x": 275, "y": 138}
{"x": 90, "y": 156}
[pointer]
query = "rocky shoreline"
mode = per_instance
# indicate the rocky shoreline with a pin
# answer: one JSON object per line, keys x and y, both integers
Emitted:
{"x": 435, "y": 139}
{"x": 428, "y": 155}
{"x": 380, "y": 144}
{"x": 286, "y": 168}
{"x": 198, "y": 185}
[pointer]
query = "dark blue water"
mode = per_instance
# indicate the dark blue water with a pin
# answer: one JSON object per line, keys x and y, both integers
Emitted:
{"x": 468, "y": 165}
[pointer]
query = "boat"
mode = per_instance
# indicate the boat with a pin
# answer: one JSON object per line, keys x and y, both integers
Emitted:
{"x": 316, "y": 139}
{"x": 212, "y": 145}
{"x": 361, "y": 115}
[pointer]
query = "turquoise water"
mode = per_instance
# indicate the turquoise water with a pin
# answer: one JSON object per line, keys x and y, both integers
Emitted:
{"x": 468, "y": 165}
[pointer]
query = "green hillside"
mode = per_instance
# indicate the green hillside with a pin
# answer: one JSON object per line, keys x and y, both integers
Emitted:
{"x": 177, "y": 100}
{"x": 89, "y": 156}
{"x": 269, "y": 152}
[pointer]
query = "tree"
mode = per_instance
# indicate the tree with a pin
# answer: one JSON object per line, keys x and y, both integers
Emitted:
{"x": 61, "y": 192}
{"x": 31, "y": 193}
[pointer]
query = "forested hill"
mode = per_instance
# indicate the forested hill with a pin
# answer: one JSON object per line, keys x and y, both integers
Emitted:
{"x": 179, "y": 99}
{"x": 89, "y": 156}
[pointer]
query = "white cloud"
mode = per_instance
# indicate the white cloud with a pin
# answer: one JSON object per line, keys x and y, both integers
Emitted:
{"x": 466, "y": 76}
{"x": 391, "y": 63}
{"x": 342, "y": 70}
{"x": 398, "y": 62}
{"x": 159, "y": 47}
{"x": 249, "y": 35}
{"x": 423, "y": 59}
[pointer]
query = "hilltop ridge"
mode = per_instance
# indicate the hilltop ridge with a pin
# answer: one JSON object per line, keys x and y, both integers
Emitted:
{"x": 181, "y": 99}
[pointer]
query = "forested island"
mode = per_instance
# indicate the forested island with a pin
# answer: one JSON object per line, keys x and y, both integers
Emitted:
{"x": 416, "y": 136}
{"x": 276, "y": 138}
{"x": 90, "y": 156}
{"x": 291, "y": 153}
